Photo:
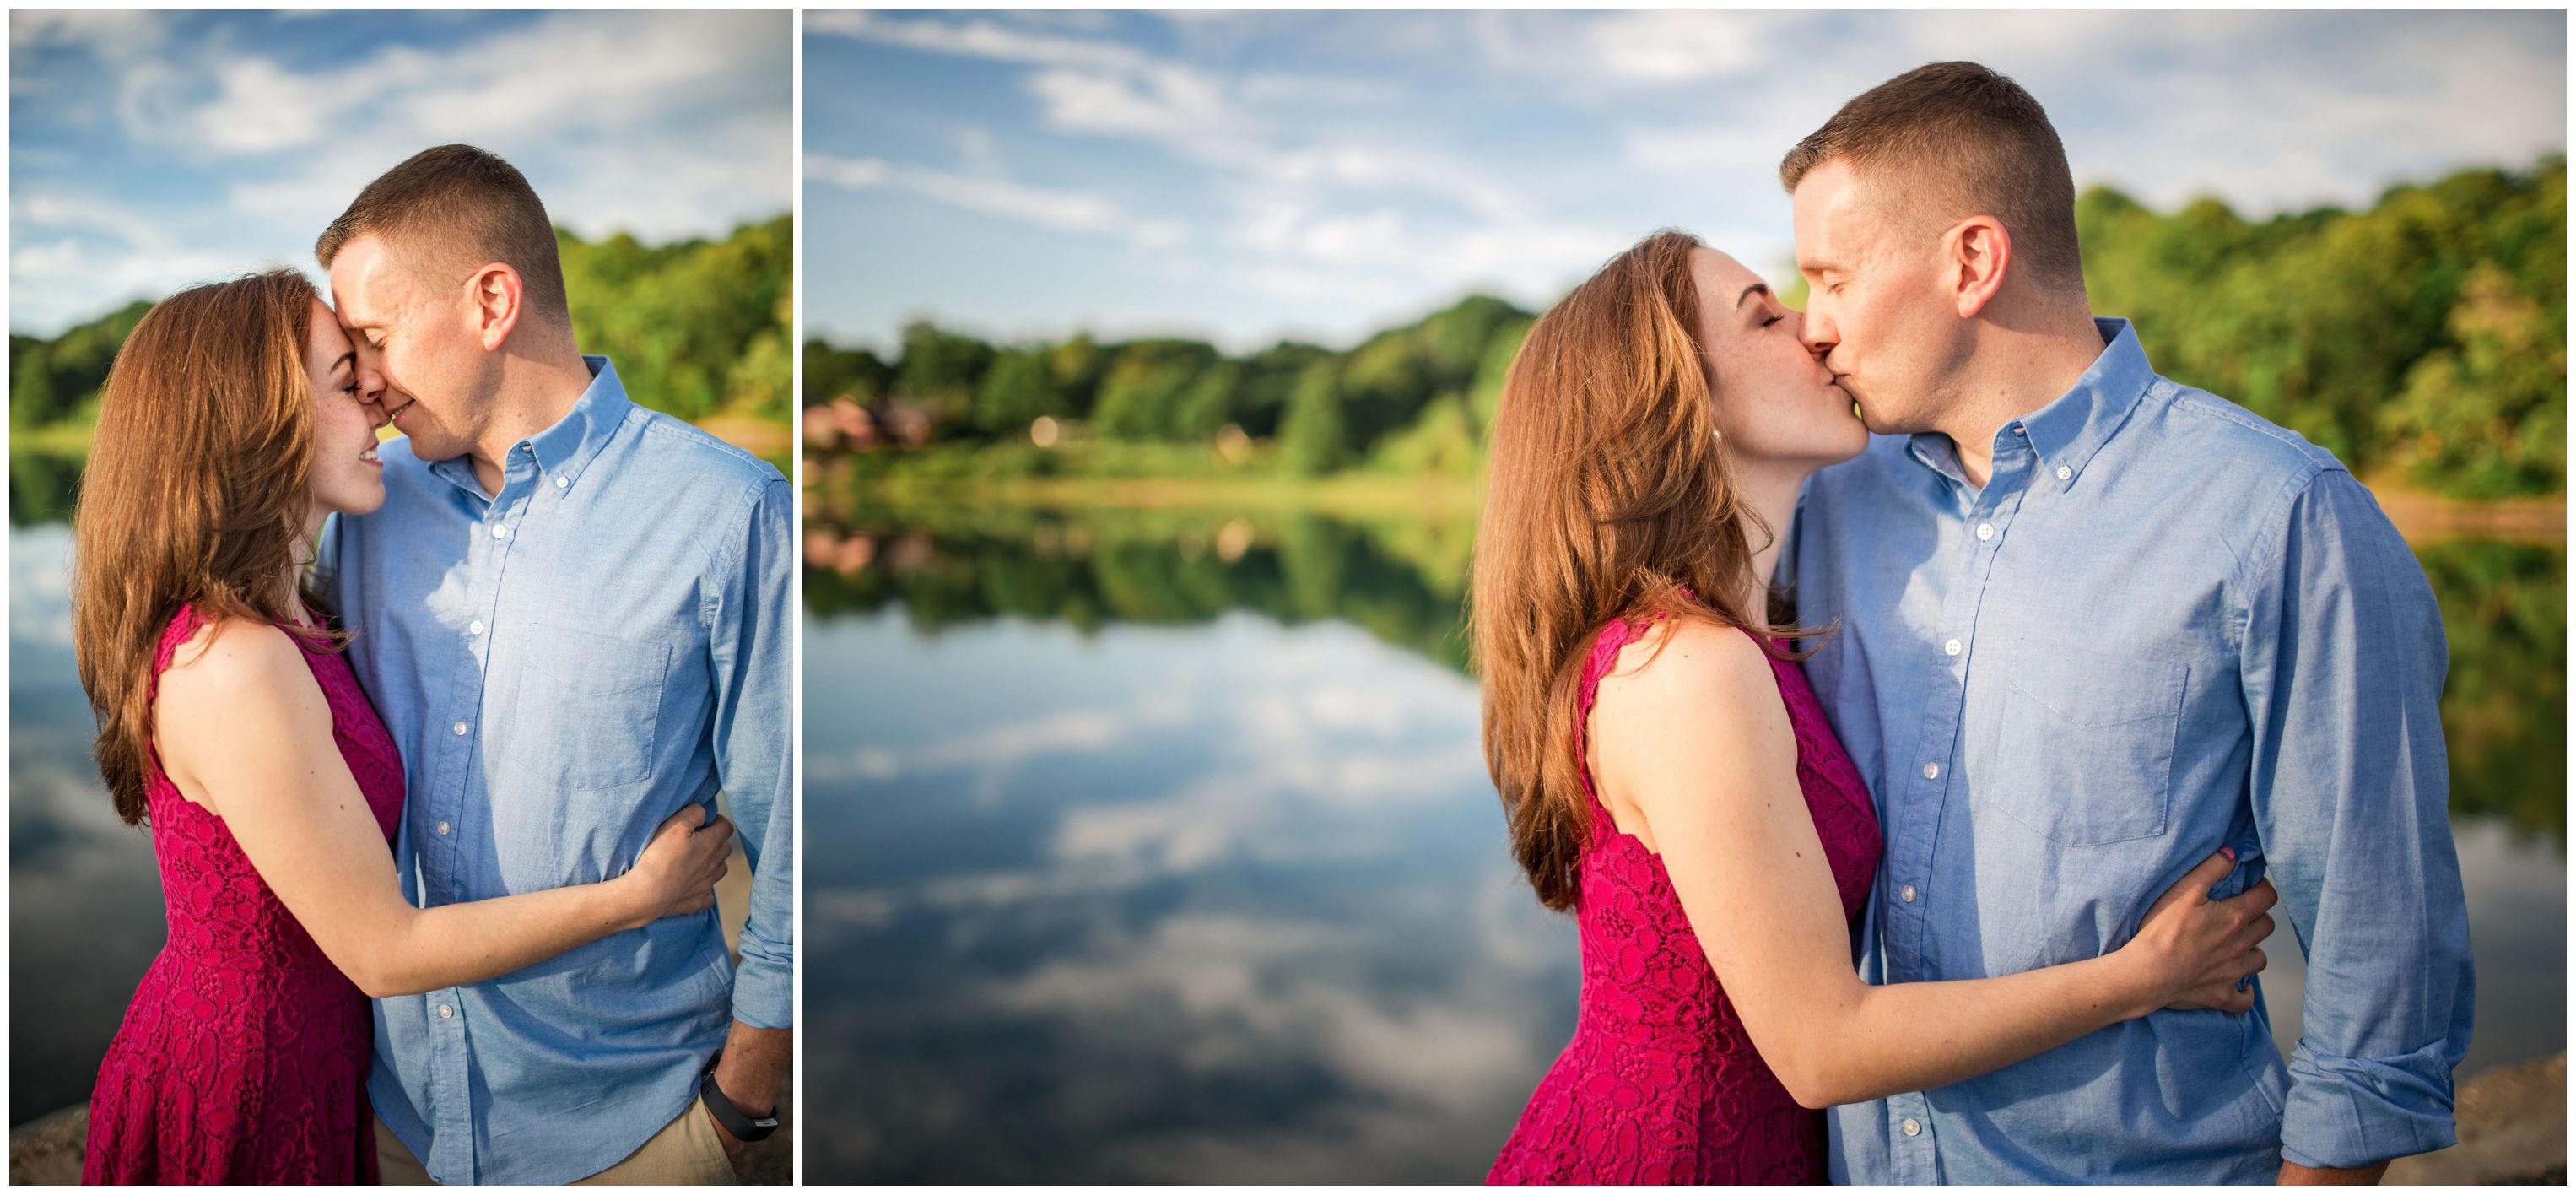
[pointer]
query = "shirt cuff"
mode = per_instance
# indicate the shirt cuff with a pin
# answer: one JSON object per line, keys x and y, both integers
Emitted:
{"x": 764, "y": 988}
{"x": 2346, "y": 1112}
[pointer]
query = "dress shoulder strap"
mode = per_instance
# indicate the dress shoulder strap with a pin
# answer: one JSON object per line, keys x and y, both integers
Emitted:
{"x": 1606, "y": 646}
{"x": 183, "y": 626}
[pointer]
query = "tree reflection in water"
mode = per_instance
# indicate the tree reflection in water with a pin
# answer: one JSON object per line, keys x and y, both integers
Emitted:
{"x": 1404, "y": 580}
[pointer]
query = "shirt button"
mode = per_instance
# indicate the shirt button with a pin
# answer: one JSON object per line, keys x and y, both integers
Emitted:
{"x": 448, "y": 1010}
{"x": 1985, "y": 531}
{"x": 1912, "y": 1128}
{"x": 561, "y": 482}
{"x": 442, "y": 828}
{"x": 500, "y": 531}
{"x": 475, "y": 627}
{"x": 460, "y": 730}
{"x": 1931, "y": 771}
{"x": 1905, "y": 893}
{"x": 1951, "y": 647}
{"x": 2063, "y": 472}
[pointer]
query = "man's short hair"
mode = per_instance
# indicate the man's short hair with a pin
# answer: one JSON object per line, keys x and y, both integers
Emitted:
{"x": 1956, "y": 135}
{"x": 453, "y": 203}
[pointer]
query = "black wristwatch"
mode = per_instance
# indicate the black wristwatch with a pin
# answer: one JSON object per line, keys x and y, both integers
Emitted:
{"x": 744, "y": 1128}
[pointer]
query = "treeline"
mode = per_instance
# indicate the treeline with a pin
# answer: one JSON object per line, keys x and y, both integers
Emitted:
{"x": 695, "y": 327}
{"x": 2425, "y": 336}
{"x": 1414, "y": 396}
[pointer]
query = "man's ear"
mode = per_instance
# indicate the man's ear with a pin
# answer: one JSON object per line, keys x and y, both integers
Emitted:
{"x": 498, "y": 298}
{"x": 1980, "y": 254}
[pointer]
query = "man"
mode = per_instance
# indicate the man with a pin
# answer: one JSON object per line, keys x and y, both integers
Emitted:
{"x": 2096, "y": 624}
{"x": 573, "y": 613}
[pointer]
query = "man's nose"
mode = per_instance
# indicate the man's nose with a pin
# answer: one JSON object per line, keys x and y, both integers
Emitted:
{"x": 1817, "y": 333}
{"x": 371, "y": 389}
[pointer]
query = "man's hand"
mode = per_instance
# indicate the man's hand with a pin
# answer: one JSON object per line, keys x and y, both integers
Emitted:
{"x": 750, "y": 1073}
{"x": 2296, "y": 1175}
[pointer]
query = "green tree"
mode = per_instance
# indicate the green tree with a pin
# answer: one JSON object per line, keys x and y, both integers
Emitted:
{"x": 31, "y": 384}
{"x": 2488, "y": 416}
{"x": 1312, "y": 436}
{"x": 833, "y": 373}
{"x": 1140, "y": 396}
{"x": 1209, "y": 404}
{"x": 1269, "y": 376}
{"x": 943, "y": 368}
{"x": 1078, "y": 365}
{"x": 679, "y": 319}
{"x": 1016, "y": 391}
{"x": 1485, "y": 394}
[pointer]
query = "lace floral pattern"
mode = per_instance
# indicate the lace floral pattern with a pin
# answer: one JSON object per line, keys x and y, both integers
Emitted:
{"x": 1661, "y": 1084}
{"x": 244, "y": 1056}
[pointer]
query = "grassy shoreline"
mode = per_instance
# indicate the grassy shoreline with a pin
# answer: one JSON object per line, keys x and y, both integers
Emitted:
{"x": 2420, "y": 516}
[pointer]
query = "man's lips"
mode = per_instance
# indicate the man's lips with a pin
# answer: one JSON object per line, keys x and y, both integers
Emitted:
{"x": 396, "y": 413}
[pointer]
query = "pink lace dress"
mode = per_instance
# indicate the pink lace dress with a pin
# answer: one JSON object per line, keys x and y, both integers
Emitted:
{"x": 1661, "y": 1083}
{"x": 244, "y": 1056}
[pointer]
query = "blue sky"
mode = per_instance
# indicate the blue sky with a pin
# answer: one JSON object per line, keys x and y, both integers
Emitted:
{"x": 152, "y": 150}
{"x": 1245, "y": 176}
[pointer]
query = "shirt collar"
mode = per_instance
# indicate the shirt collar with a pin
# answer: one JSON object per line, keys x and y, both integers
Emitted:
{"x": 2066, "y": 433}
{"x": 564, "y": 450}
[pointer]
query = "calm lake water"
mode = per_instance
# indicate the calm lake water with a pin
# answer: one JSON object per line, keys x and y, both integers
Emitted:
{"x": 1157, "y": 847}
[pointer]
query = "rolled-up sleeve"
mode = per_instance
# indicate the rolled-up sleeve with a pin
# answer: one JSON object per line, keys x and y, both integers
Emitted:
{"x": 752, "y": 620}
{"x": 2344, "y": 660}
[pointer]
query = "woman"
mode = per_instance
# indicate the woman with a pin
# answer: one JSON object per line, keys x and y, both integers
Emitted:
{"x": 233, "y": 422}
{"x": 1668, "y": 776}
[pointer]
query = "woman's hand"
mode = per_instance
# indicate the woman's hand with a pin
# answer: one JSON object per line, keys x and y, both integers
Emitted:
{"x": 678, "y": 870}
{"x": 2196, "y": 952}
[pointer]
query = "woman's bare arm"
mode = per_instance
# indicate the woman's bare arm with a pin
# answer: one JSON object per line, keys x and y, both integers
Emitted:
{"x": 1697, "y": 747}
{"x": 243, "y": 729}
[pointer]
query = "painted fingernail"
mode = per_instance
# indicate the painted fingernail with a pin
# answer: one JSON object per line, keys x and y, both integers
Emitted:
{"x": 2228, "y": 851}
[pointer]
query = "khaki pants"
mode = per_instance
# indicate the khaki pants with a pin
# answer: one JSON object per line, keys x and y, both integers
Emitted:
{"x": 687, "y": 1150}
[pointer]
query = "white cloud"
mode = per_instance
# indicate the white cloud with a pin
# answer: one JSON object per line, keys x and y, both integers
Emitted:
{"x": 976, "y": 39}
{"x": 660, "y": 124}
{"x": 1062, "y": 210}
{"x": 1336, "y": 170}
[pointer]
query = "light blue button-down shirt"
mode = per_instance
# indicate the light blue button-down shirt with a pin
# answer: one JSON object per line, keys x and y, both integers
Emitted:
{"x": 2164, "y": 626}
{"x": 565, "y": 665}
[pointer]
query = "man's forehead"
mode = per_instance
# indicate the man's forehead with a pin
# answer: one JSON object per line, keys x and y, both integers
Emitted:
{"x": 362, "y": 278}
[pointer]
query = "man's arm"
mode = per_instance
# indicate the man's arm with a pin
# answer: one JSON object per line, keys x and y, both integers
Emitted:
{"x": 2343, "y": 659}
{"x": 754, "y": 616}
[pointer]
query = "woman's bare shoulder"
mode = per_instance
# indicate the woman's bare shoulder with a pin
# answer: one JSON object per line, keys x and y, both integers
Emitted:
{"x": 234, "y": 676}
{"x": 230, "y": 657}
{"x": 1688, "y": 662}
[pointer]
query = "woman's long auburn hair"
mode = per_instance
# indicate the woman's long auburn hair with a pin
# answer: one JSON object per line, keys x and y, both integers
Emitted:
{"x": 196, "y": 493}
{"x": 1609, "y": 499}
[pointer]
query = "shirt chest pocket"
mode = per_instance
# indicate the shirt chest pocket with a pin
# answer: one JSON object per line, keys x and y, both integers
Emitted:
{"x": 2090, "y": 740}
{"x": 589, "y": 708}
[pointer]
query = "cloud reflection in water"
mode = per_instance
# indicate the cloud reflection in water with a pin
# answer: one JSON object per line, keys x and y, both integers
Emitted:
{"x": 1238, "y": 911}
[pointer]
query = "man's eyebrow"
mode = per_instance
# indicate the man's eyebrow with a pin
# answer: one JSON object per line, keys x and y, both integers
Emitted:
{"x": 1750, "y": 291}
